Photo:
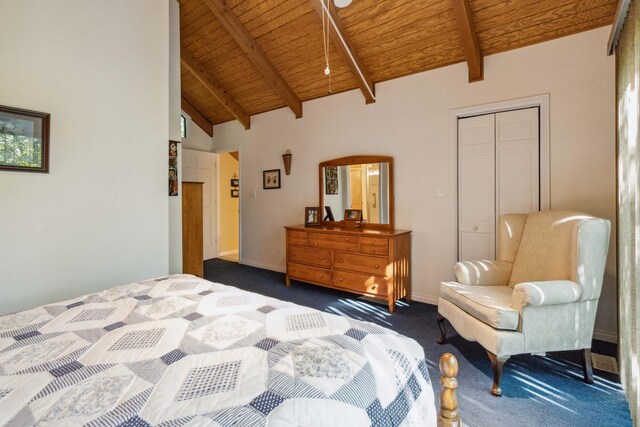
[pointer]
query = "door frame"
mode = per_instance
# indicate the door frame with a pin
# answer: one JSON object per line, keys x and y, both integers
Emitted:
{"x": 540, "y": 101}
{"x": 217, "y": 152}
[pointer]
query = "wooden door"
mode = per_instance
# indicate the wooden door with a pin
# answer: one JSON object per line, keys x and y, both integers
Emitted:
{"x": 355, "y": 186}
{"x": 476, "y": 188}
{"x": 192, "y": 260}
{"x": 200, "y": 166}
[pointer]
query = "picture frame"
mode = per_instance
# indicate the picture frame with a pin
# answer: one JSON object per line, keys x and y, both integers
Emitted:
{"x": 235, "y": 182}
{"x": 24, "y": 140}
{"x": 311, "y": 216}
{"x": 331, "y": 180}
{"x": 353, "y": 214}
{"x": 329, "y": 216}
{"x": 235, "y": 193}
{"x": 271, "y": 179}
{"x": 173, "y": 168}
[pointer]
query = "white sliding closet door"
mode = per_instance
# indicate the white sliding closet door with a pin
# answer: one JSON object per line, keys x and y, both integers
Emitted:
{"x": 200, "y": 166}
{"x": 498, "y": 173}
{"x": 476, "y": 187}
{"x": 517, "y": 161}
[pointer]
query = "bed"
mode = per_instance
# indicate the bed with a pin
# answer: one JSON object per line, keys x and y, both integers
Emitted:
{"x": 181, "y": 350}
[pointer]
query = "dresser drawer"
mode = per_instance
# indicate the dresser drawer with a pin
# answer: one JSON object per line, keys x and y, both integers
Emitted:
{"x": 297, "y": 237}
{"x": 360, "y": 263}
{"x": 307, "y": 255}
{"x": 361, "y": 283}
{"x": 333, "y": 241}
{"x": 373, "y": 245}
{"x": 307, "y": 272}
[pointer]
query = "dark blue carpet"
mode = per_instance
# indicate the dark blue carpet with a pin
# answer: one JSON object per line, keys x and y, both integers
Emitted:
{"x": 537, "y": 391}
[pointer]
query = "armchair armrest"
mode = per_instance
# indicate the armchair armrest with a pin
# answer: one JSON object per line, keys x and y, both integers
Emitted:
{"x": 483, "y": 273}
{"x": 551, "y": 292}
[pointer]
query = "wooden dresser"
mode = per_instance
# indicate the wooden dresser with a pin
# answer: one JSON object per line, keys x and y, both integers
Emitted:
{"x": 192, "y": 235}
{"x": 376, "y": 263}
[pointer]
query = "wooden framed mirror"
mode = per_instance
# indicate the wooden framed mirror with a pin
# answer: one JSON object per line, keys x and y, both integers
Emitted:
{"x": 358, "y": 182}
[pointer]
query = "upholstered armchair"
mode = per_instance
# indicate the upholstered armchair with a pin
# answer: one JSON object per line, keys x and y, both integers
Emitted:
{"x": 540, "y": 295}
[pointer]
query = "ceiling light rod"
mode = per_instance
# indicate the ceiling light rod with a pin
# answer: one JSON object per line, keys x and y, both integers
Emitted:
{"x": 355, "y": 63}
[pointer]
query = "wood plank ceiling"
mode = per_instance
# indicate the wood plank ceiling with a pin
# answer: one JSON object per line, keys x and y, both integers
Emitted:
{"x": 389, "y": 39}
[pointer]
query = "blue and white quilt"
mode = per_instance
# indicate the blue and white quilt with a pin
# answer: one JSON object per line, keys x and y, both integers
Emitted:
{"x": 182, "y": 351}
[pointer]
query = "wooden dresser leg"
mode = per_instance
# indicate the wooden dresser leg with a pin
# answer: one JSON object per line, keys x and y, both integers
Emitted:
{"x": 496, "y": 364}
{"x": 392, "y": 306}
{"x": 587, "y": 370}
{"x": 288, "y": 281}
{"x": 443, "y": 334}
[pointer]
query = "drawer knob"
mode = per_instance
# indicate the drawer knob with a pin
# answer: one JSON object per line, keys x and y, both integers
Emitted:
{"x": 475, "y": 228}
{"x": 322, "y": 276}
{"x": 372, "y": 242}
{"x": 341, "y": 279}
{"x": 293, "y": 254}
{"x": 377, "y": 266}
{"x": 321, "y": 257}
{"x": 315, "y": 244}
{"x": 374, "y": 287}
{"x": 340, "y": 260}
{"x": 347, "y": 239}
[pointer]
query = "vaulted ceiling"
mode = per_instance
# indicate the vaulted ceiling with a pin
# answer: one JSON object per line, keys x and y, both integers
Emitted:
{"x": 244, "y": 57}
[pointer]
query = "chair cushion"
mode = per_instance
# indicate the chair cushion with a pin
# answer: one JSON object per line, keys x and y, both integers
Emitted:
{"x": 489, "y": 304}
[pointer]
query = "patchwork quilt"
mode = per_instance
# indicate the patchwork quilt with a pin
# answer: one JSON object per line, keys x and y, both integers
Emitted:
{"x": 182, "y": 351}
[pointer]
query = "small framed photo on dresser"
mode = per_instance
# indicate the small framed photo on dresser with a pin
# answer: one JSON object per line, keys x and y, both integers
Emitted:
{"x": 311, "y": 216}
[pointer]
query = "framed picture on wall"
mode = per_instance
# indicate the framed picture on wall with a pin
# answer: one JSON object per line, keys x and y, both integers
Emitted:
{"x": 271, "y": 179}
{"x": 235, "y": 182}
{"x": 173, "y": 168}
{"x": 331, "y": 180}
{"x": 24, "y": 140}
{"x": 235, "y": 193}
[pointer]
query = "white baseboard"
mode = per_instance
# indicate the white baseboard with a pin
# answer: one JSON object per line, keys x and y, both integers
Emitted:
{"x": 263, "y": 265}
{"x": 607, "y": 336}
{"x": 424, "y": 298}
{"x": 225, "y": 253}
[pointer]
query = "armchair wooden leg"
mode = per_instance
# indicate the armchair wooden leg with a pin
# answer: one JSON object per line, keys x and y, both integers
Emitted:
{"x": 587, "y": 370}
{"x": 496, "y": 364}
{"x": 443, "y": 334}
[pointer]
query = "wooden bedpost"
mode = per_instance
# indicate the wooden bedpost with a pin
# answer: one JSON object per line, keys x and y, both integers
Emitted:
{"x": 449, "y": 416}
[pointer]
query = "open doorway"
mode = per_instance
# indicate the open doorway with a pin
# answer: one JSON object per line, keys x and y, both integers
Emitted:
{"x": 229, "y": 206}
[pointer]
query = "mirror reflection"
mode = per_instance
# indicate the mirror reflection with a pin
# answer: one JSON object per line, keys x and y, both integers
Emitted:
{"x": 361, "y": 186}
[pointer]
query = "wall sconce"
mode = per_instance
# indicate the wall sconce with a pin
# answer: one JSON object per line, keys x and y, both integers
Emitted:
{"x": 286, "y": 157}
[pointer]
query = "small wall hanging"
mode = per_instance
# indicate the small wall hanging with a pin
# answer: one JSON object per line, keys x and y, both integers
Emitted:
{"x": 173, "y": 168}
{"x": 331, "y": 180}
{"x": 271, "y": 179}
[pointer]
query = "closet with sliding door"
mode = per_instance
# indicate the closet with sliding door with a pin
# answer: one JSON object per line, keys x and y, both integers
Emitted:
{"x": 498, "y": 173}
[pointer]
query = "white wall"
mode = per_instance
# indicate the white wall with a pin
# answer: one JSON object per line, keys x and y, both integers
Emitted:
{"x": 410, "y": 121}
{"x": 175, "y": 202}
{"x": 100, "y": 217}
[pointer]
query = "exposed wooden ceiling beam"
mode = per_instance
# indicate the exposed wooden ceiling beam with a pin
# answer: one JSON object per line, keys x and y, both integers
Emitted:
{"x": 216, "y": 89}
{"x": 236, "y": 29}
{"x": 469, "y": 39}
{"x": 197, "y": 118}
{"x": 348, "y": 53}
